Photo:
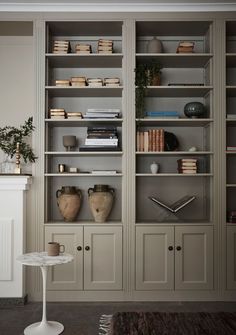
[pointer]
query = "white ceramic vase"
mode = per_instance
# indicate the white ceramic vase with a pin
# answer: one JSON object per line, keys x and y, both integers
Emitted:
{"x": 154, "y": 167}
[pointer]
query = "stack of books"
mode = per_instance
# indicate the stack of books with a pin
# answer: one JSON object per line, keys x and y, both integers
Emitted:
{"x": 151, "y": 140}
{"x": 62, "y": 83}
{"x": 187, "y": 165}
{"x": 74, "y": 115}
{"x": 162, "y": 115}
{"x": 231, "y": 148}
{"x": 83, "y": 49}
{"x": 105, "y": 46}
{"x": 185, "y": 47}
{"x": 57, "y": 113}
{"x": 61, "y": 47}
{"x": 102, "y": 113}
{"x": 94, "y": 82}
{"x": 78, "y": 81}
{"x": 112, "y": 82}
{"x": 101, "y": 139}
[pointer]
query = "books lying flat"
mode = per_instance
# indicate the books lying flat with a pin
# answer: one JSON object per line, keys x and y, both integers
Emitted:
{"x": 104, "y": 172}
{"x": 231, "y": 148}
{"x": 176, "y": 206}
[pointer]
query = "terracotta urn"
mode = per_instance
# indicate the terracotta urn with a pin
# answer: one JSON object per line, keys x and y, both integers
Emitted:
{"x": 100, "y": 201}
{"x": 69, "y": 201}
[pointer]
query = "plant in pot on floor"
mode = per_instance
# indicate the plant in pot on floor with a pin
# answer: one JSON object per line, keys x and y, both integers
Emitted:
{"x": 12, "y": 138}
{"x": 146, "y": 74}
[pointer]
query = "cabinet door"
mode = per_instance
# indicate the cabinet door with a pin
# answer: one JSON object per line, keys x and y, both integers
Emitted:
{"x": 103, "y": 258}
{"x": 193, "y": 258}
{"x": 231, "y": 258}
{"x": 154, "y": 258}
{"x": 66, "y": 276}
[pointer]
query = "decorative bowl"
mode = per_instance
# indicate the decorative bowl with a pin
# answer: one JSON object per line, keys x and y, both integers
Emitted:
{"x": 195, "y": 110}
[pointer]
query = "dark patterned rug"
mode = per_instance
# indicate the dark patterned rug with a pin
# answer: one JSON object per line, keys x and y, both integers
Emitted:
{"x": 155, "y": 323}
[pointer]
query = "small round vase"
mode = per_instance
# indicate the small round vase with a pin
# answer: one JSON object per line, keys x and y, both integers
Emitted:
{"x": 154, "y": 46}
{"x": 100, "y": 201}
{"x": 154, "y": 167}
{"x": 195, "y": 110}
{"x": 69, "y": 201}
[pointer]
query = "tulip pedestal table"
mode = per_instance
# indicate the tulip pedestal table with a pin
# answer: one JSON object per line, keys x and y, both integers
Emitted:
{"x": 42, "y": 260}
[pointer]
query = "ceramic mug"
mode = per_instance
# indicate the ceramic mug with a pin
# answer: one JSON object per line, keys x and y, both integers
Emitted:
{"x": 54, "y": 248}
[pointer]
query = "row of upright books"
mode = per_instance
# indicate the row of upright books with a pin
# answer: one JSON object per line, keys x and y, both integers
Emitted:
{"x": 151, "y": 140}
{"x": 82, "y": 81}
{"x": 104, "y": 46}
{"x": 101, "y": 139}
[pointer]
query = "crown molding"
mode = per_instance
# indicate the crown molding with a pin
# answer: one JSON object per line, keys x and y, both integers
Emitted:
{"x": 117, "y": 7}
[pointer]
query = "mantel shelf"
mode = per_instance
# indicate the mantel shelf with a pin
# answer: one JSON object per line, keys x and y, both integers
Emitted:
{"x": 177, "y": 60}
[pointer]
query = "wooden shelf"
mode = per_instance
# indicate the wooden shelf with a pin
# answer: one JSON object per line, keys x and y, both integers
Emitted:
{"x": 230, "y": 185}
{"x": 173, "y": 175}
{"x": 71, "y": 91}
{"x": 73, "y": 60}
{"x": 176, "y": 60}
{"x": 80, "y": 122}
{"x": 83, "y": 153}
{"x": 81, "y": 175}
{"x": 184, "y": 122}
{"x": 178, "y": 91}
{"x": 175, "y": 153}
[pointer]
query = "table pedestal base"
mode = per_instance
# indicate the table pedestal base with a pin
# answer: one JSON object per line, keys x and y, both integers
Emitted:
{"x": 44, "y": 328}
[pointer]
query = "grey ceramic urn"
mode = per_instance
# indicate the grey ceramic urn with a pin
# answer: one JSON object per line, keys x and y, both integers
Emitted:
{"x": 154, "y": 46}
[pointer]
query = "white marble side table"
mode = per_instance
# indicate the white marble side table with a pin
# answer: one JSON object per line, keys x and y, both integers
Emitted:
{"x": 44, "y": 261}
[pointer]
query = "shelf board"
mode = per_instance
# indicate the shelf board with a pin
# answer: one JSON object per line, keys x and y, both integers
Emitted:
{"x": 81, "y": 175}
{"x": 173, "y": 175}
{"x": 230, "y": 185}
{"x": 231, "y": 122}
{"x": 83, "y": 153}
{"x": 79, "y": 223}
{"x": 231, "y": 59}
{"x": 231, "y": 90}
{"x": 178, "y": 91}
{"x": 72, "y": 91}
{"x": 230, "y": 152}
{"x": 174, "y": 153}
{"x": 176, "y": 60}
{"x": 73, "y": 60}
{"x": 80, "y": 122}
{"x": 177, "y": 222}
{"x": 185, "y": 122}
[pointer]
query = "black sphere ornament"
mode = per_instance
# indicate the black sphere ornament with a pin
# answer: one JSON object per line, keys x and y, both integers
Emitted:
{"x": 195, "y": 110}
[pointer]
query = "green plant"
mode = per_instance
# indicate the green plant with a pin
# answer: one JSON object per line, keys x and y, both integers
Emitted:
{"x": 144, "y": 75}
{"x": 10, "y": 136}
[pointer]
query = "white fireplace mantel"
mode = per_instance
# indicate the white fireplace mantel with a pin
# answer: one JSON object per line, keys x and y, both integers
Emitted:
{"x": 12, "y": 233}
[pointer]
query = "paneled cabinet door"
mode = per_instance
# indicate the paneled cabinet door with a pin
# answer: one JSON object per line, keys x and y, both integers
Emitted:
{"x": 103, "y": 258}
{"x": 193, "y": 258}
{"x": 231, "y": 258}
{"x": 154, "y": 258}
{"x": 66, "y": 276}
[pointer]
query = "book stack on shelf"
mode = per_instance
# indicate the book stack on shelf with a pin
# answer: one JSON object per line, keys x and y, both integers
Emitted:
{"x": 151, "y": 140}
{"x": 101, "y": 139}
{"x": 112, "y": 82}
{"x": 78, "y": 81}
{"x": 61, "y": 47}
{"x": 185, "y": 47}
{"x": 162, "y": 115}
{"x": 102, "y": 113}
{"x": 94, "y": 82}
{"x": 83, "y": 49}
{"x": 74, "y": 115}
{"x": 105, "y": 46}
{"x": 57, "y": 113}
{"x": 187, "y": 165}
{"x": 62, "y": 83}
{"x": 231, "y": 148}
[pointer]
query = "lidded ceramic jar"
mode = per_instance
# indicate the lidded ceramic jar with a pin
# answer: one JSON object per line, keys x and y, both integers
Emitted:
{"x": 154, "y": 46}
{"x": 100, "y": 201}
{"x": 69, "y": 201}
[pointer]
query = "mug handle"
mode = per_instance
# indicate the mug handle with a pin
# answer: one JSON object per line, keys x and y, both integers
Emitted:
{"x": 63, "y": 247}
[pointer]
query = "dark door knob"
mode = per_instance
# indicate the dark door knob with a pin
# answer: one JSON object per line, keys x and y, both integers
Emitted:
{"x": 87, "y": 248}
{"x": 178, "y": 248}
{"x": 170, "y": 248}
{"x": 79, "y": 248}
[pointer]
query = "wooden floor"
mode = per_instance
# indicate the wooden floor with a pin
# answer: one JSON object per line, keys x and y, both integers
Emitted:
{"x": 83, "y": 318}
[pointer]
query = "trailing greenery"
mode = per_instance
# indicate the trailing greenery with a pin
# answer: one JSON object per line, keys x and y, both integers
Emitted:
{"x": 144, "y": 75}
{"x": 10, "y": 136}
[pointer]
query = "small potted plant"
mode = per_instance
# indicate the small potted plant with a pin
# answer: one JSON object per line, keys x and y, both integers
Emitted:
{"x": 11, "y": 138}
{"x": 146, "y": 74}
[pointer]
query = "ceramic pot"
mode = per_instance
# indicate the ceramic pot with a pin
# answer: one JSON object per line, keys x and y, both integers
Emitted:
{"x": 154, "y": 46}
{"x": 194, "y": 110}
{"x": 100, "y": 201}
{"x": 154, "y": 167}
{"x": 69, "y": 201}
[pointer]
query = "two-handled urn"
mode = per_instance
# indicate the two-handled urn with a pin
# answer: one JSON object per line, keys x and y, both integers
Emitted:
{"x": 69, "y": 201}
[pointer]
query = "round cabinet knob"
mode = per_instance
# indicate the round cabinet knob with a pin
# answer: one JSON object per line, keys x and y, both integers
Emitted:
{"x": 178, "y": 248}
{"x": 170, "y": 248}
{"x": 87, "y": 248}
{"x": 79, "y": 248}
